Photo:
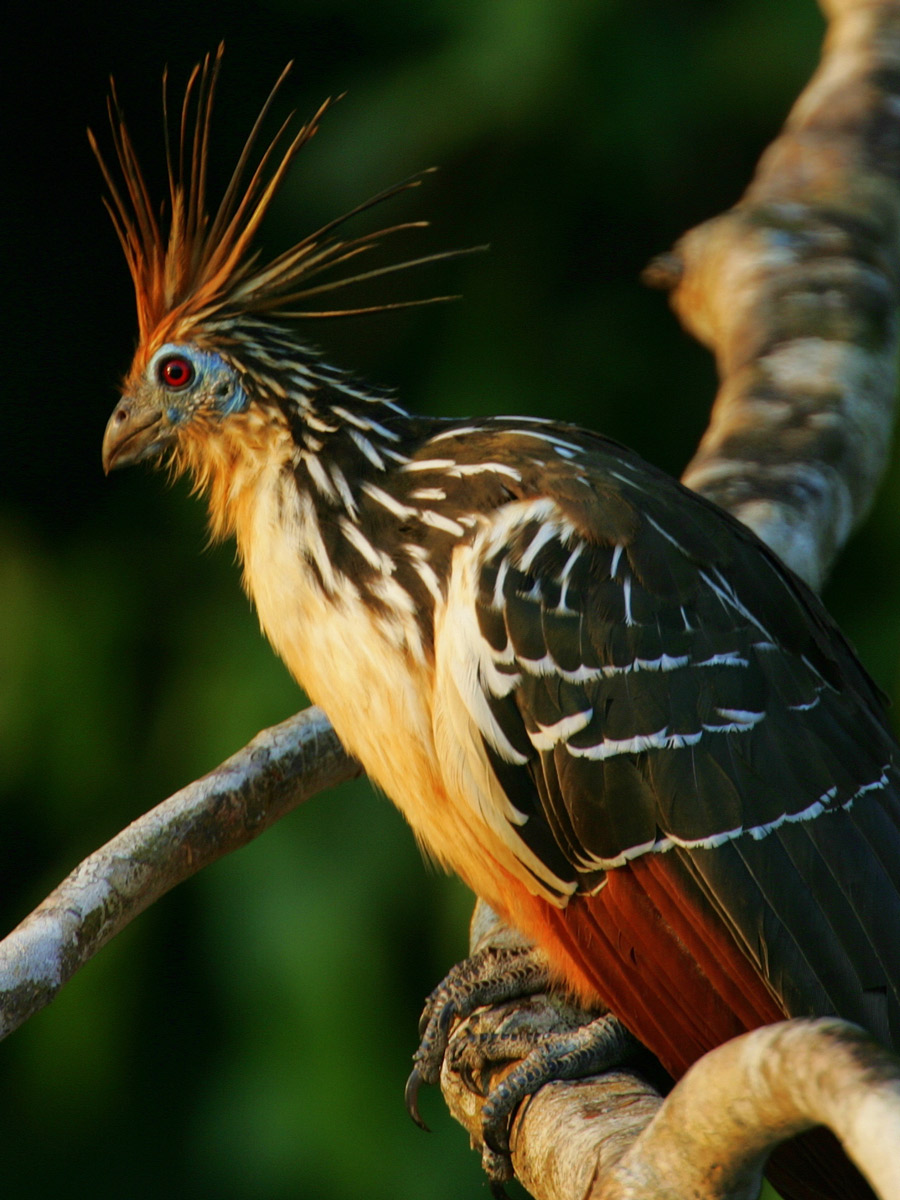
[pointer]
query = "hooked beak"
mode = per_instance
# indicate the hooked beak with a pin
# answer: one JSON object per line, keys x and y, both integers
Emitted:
{"x": 133, "y": 433}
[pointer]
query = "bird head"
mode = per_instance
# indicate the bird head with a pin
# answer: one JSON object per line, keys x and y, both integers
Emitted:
{"x": 214, "y": 353}
{"x": 180, "y": 390}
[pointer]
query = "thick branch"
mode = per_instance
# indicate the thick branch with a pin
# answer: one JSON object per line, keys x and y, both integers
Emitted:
{"x": 715, "y": 1131}
{"x": 281, "y": 768}
{"x": 795, "y": 292}
{"x": 616, "y": 1140}
{"x": 711, "y": 1138}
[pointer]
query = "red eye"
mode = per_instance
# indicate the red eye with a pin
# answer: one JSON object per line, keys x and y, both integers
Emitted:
{"x": 176, "y": 372}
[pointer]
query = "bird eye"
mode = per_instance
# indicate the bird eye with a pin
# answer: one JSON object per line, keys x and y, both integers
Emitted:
{"x": 176, "y": 372}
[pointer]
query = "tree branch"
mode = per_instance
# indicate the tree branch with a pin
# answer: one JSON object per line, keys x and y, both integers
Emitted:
{"x": 712, "y": 1136}
{"x": 281, "y": 768}
{"x": 795, "y": 291}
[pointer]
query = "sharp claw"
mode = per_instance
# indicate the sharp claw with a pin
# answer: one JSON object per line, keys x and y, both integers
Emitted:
{"x": 496, "y": 1139}
{"x": 474, "y": 1082}
{"x": 411, "y": 1096}
{"x": 446, "y": 1017}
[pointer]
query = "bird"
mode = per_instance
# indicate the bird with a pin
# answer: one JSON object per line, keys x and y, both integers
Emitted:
{"x": 594, "y": 695}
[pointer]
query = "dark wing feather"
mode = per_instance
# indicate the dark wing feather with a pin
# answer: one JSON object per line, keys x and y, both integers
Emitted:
{"x": 671, "y": 690}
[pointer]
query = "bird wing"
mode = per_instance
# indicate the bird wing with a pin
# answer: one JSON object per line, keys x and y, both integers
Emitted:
{"x": 666, "y": 707}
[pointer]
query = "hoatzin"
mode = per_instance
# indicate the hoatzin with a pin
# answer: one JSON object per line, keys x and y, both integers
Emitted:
{"x": 595, "y": 696}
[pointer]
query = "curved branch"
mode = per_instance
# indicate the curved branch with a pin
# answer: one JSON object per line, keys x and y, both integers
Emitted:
{"x": 281, "y": 768}
{"x": 712, "y": 1136}
{"x": 795, "y": 291}
{"x": 715, "y": 1131}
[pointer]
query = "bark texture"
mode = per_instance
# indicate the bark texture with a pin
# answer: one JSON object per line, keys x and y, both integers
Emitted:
{"x": 795, "y": 292}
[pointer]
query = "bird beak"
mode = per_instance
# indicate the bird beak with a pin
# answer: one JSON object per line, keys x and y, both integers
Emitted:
{"x": 134, "y": 432}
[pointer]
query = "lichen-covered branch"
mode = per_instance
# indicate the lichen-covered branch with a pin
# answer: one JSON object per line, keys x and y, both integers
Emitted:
{"x": 795, "y": 292}
{"x": 615, "y": 1139}
{"x": 711, "y": 1138}
{"x": 226, "y": 809}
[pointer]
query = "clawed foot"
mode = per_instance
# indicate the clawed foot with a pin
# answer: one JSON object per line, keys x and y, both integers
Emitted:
{"x": 547, "y": 1041}
{"x": 490, "y": 976}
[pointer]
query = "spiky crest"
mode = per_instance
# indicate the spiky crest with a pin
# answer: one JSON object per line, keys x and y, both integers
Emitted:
{"x": 194, "y": 267}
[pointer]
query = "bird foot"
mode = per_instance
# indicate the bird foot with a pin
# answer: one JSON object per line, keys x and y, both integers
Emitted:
{"x": 545, "y": 1039}
{"x": 490, "y": 976}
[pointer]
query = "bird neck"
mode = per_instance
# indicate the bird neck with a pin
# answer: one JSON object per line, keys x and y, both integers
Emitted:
{"x": 306, "y": 422}
{"x": 306, "y": 480}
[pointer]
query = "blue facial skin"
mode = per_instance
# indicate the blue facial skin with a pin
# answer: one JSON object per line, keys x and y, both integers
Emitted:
{"x": 214, "y": 386}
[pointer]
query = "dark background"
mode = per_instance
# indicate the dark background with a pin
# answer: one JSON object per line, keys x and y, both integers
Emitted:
{"x": 250, "y": 1036}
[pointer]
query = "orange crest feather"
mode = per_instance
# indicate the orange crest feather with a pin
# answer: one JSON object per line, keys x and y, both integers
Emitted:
{"x": 197, "y": 267}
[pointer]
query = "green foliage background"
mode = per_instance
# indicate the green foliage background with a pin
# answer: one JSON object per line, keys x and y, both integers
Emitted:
{"x": 248, "y": 1038}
